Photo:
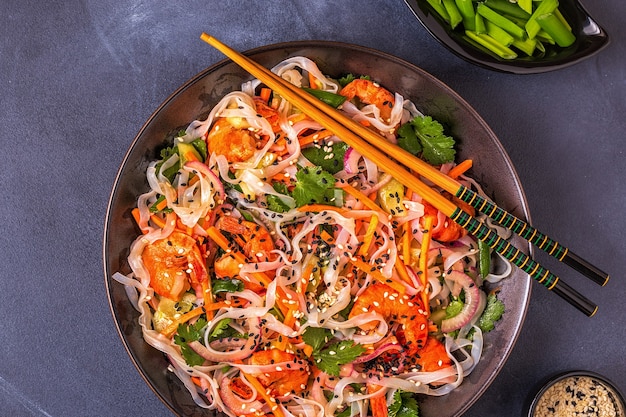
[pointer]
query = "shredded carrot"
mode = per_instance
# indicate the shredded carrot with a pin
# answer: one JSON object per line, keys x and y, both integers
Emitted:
{"x": 408, "y": 236}
{"x": 190, "y": 156}
{"x": 378, "y": 403}
{"x": 321, "y": 207}
{"x": 402, "y": 273}
{"x": 307, "y": 350}
{"x": 265, "y": 94}
{"x": 159, "y": 222}
{"x": 406, "y": 243}
{"x": 298, "y": 117}
{"x": 460, "y": 169}
{"x": 270, "y": 401}
{"x": 136, "y": 216}
{"x": 281, "y": 177}
{"x": 313, "y": 83}
{"x": 361, "y": 197}
{"x": 314, "y": 137}
{"x": 162, "y": 204}
{"x": 369, "y": 235}
{"x": 423, "y": 259}
{"x": 374, "y": 272}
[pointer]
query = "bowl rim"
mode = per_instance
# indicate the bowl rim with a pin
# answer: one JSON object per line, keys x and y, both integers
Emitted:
{"x": 554, "y": 379}
{"x": 519, "y": 192}
{"x": 597, "y": 39}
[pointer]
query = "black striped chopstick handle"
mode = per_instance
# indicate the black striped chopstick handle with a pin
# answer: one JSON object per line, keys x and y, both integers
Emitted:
{"x": 540, "y": 274}
{"x": 526, "y": 231}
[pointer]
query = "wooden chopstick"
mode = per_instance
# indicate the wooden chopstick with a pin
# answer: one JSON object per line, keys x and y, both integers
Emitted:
{"x": 321, "y": 113}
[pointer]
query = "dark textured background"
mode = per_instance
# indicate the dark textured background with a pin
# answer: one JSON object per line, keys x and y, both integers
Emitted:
{"x": 79, "y": 78}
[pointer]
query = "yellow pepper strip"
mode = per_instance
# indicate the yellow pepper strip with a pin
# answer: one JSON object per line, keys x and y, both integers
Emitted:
{"x": 423, "y": 259}
{"x": 369, "y": 235}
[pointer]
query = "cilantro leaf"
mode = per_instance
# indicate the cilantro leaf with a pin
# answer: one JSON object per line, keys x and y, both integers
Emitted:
{"x": 438, "y": 148}
{"x": 222, "y": 330}
{"x": 330, "y": 158}
{"x": 226, "y": 285}
{"x": 404, "y": 405}
{"x": 274, "y": 202}
{"x": 167, "y": 153}
{"x": 313, "y": 185}
{"x": 316, "y": 337}
{"x": 330, "y": 359}
{"x": 408, "y": 140}
{"x": 492, "y": 313}
{"x": 348, "y": 78}
{"x": 189, "y": 333}
{"x": 423, "y": 136}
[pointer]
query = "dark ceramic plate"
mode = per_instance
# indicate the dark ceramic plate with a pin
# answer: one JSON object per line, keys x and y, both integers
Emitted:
{"x": 591, "y": 38}
{"x": 492, "y": 167}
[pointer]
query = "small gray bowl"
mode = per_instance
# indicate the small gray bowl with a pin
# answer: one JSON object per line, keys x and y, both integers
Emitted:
{"x": 573, "y": 392}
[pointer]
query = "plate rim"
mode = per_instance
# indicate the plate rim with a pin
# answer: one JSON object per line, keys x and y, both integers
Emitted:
{"x": 325, "y": 44}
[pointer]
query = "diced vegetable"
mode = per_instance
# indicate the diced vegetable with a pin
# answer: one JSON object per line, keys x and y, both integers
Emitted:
{"x": 505, "y": 27}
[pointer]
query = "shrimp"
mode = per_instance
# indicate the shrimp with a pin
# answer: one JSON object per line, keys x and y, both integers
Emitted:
{"x": 370, "y": 93}
{"x": 254, "y": 240}
{"x": 269, "y": 113}
{"x": 236, "y": 144}
{"x": 404, "y": 310}
{"x": 291, "y": 375}
{"x": 449, "y": 230}
{"x": 232, "y": 138}
{"x": 175, "y": 264}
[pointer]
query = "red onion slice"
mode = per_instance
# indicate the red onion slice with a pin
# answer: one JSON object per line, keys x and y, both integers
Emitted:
{"x": 351, "y": 161}
{"x": 207, "y": 172}
{"x": 472, "y": 300}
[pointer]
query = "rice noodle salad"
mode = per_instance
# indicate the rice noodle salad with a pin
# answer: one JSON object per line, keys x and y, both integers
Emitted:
{"x": 282, "y": 273}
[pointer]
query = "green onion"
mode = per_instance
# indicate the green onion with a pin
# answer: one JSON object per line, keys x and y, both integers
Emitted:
{"x": 453, "y": 12}
{"x": 497, "y": 19}
{"x": 526, "y": 5}
{"x": 438, "y": 6}
{"x": 499, "y": 34}
{"x": 466, "y": 8}
{"x": 527, "y": 46}
{"x": 332, "y": 99}
{"x": 480, "y": 24}
{"x": 491, "y": 44}
{"x": 546, "y": 6}
{"x": 507, "y": 8}
{"x": 555, "y": 28}
{"x": 484, "y": 259}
